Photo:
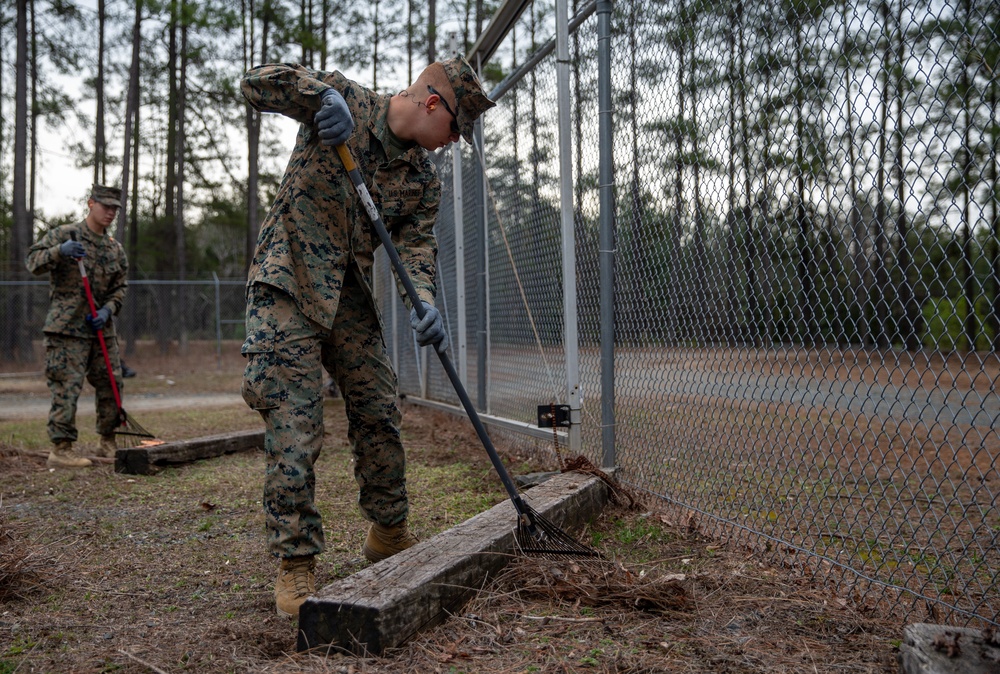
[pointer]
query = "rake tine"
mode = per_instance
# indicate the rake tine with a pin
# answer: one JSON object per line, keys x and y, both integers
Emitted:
{"x": 129, "y": 433}
{"x": 545, "y": 539}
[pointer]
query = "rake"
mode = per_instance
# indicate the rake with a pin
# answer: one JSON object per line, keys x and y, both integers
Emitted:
{"x": 534, "y": 536}
{"x": 128, "y": 433}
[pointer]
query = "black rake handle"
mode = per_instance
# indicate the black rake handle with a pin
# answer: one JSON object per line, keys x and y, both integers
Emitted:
{"x": 411, "y": 292}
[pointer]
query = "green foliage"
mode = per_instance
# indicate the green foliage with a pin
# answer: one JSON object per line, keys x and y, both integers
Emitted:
{"x": 20, "y": 646}
{"x": 628, "y": 532}
{"x": 945, "y": 320}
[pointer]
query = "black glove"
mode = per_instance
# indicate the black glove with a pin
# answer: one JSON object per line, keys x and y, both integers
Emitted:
{"x": 96, "y": 322}
{"x": 334, "y": 121}
{"x": 430, "y": 328}
{"x": 72, "y": 249}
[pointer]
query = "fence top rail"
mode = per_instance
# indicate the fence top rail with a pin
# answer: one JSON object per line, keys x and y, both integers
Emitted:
{"x": 496, "y": 30}
{"x": 547, "y": 48}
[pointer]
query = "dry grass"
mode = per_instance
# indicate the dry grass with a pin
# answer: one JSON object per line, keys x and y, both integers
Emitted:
{"x": 21, "y": 565}
{"x": 168, "y": 573}
{"x": 102, "y": 572}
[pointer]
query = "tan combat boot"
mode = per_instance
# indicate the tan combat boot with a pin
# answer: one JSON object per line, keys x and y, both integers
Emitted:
{"x": 384, "y": 542}
{"x": 108, "y": 446}
{"x": 64, "y": 456}
{"x": 296, "y": 582}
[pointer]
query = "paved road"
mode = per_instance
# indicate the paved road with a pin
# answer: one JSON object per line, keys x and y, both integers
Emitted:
{"x": 510, "y": 388}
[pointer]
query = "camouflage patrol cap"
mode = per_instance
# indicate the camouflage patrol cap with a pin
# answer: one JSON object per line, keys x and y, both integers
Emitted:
{"x": 472, "y": 102}
{"x": 109, "y": 196}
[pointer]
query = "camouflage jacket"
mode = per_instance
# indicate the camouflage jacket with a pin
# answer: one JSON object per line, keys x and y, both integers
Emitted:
{"x": 106, "y": 268}
{"x": 317, "y": 226}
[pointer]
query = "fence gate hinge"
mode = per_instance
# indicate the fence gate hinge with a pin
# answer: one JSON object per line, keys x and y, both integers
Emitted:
{"x": 545, "y": 416}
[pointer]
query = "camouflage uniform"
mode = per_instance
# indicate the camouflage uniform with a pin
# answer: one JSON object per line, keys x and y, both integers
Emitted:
{"x": 310, "y": 304}
{"x": 72, "y": 350}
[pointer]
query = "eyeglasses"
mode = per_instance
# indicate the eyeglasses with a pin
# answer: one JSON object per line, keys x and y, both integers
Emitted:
{"x": 454, "y": 117}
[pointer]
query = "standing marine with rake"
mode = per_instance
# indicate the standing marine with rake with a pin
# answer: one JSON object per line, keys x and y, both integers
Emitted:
{"x": 310, "y": 305}
{"x": 72, "y": 350}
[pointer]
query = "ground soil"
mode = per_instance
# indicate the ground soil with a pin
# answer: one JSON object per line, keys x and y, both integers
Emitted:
{"x": 102, "y": 572}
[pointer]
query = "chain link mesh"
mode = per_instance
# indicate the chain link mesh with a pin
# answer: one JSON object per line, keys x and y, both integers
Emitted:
{"x": 162, "y": 312}
{"x": 807, "y": 284}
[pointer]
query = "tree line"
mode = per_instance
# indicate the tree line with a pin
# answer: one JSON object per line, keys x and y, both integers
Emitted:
{"x": 807, "y": 171}
{"x": 168, "y": 122}
{"x": 155, "y": 84}
{"x": 803, "y": 172}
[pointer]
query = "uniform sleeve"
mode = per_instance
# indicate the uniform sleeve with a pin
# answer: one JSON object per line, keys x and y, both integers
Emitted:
{"x": 117, "y": 285}
{"x": 44, "y": 255}
{"x": 288, "y": 89}
{"x": 414, "y": 239}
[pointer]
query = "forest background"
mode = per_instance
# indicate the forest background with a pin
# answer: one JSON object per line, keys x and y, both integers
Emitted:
{"x": 889, "y": 196}
{"x": 145, "y": 94}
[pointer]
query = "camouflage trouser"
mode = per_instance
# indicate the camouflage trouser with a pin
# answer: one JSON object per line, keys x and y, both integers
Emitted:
{"x": 287, "y": 354}
{"x": 67, "y": 361}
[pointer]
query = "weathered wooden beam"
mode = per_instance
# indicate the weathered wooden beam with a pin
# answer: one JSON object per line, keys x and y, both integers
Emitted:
{"x": 939, "y": 649}
{"x": 152, "y": 459}
{"x": 385, "y": 604}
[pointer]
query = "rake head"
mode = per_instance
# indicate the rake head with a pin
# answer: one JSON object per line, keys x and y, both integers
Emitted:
{"x": 537, "y": 537}
{"x": 129, "y": 433}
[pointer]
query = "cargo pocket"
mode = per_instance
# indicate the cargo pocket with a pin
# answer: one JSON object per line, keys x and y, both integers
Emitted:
{"x": 261, "y": 390}
{"x": 56, "y": 359}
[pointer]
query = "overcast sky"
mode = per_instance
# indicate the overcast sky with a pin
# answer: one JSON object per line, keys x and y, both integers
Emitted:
{"x": 62, "y": 188}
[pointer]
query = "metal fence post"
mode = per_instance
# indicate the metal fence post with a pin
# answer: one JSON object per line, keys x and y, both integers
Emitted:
{"x": 482, "y": 276}
{"x": 606, "y": 182}
{"x": 571, "y": 346}
{"x": 461, "y": 354}
{"x": 218, "y": 323}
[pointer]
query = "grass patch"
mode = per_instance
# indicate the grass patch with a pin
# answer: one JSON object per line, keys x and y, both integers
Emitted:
{"x": 172, "y": 569}
{"x": 172, "y": 424}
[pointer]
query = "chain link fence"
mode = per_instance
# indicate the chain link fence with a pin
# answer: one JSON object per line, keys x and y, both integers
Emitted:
{"x": 806, "y": 283}
{"x": 169, "y": 314}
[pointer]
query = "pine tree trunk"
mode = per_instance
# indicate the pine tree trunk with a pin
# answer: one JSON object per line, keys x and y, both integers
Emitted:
{"x": 133, "y": 230}
{"x": 699, "y": 291}
{"x": 858, "y": 282}
{"x": 253, "y": 129}
{"x": 734, "y": 225}
{"x": 100, "y": 151}
{"x": 994, "y": 176}
{"x": 678, "y": 285}
{"x": 180, "y": 239}
{"x": 166, "y": 264}
{"x": 325, "y": 27}
{"x": 17, "y": 338}
{"x": 375, "y": 43}
{"x": 807, "y": 334}
{"x": 131, "y": 108}
{"x": 431, "y": 30}
{"x": 129, "y": 328}
{"x": 968, "y": 167}
{"x": 911, "y": 325}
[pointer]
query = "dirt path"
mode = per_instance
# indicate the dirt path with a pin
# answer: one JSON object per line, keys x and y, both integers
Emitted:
{"x": 36, "y": 406}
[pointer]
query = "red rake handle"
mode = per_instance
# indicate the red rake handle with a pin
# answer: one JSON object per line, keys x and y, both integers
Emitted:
{"x": 100, "y": 335}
